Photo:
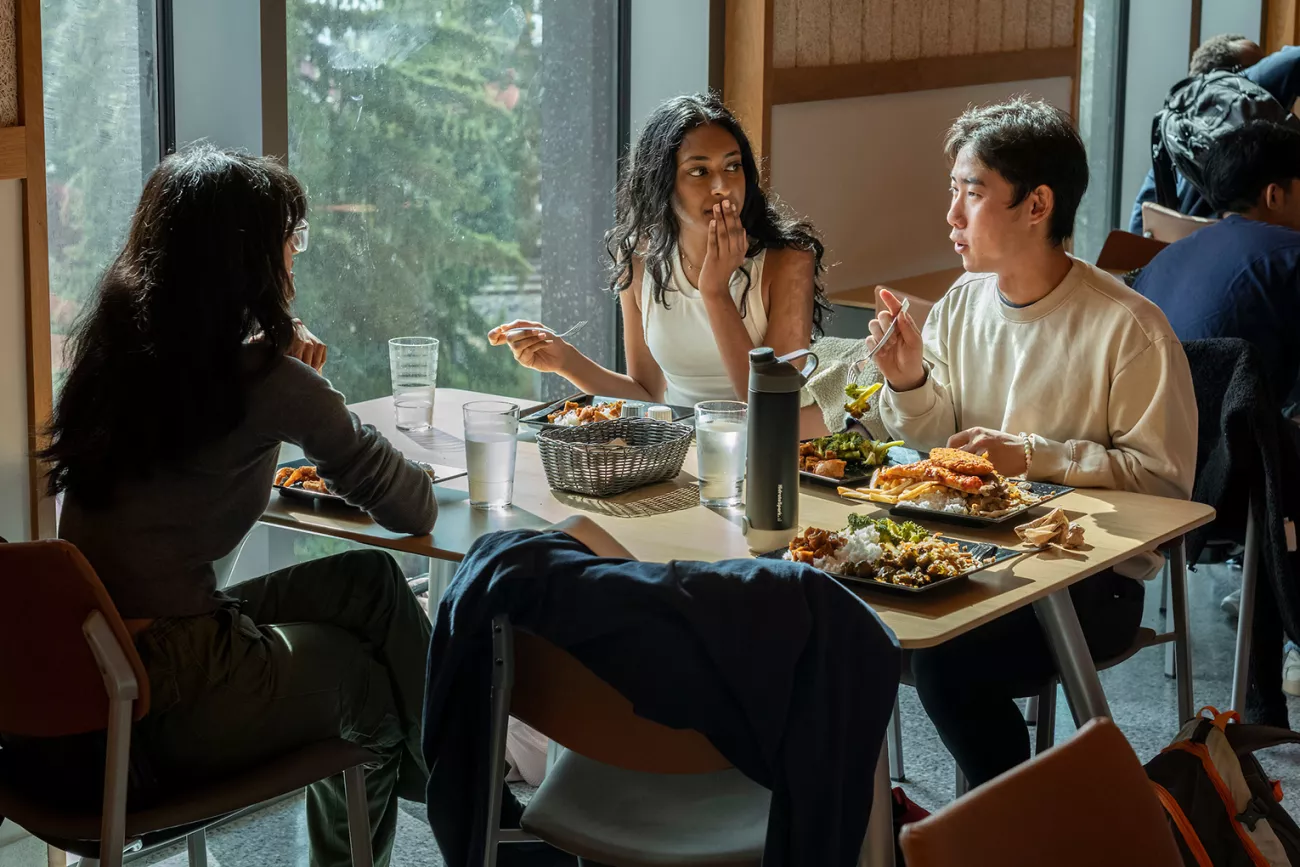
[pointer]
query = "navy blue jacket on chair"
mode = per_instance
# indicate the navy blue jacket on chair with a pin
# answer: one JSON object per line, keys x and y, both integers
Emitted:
{"x": 790, "y": 676}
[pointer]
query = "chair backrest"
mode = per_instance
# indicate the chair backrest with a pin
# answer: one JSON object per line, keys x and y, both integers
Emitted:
{"x": 561, "y": 698}
{"x": 1166, "y": 224}
{"x": 1085, "y": 802}
{"x": 50, "y": 683}
{"x": 1124, "y": 251}
{"x": 918, "y": 309}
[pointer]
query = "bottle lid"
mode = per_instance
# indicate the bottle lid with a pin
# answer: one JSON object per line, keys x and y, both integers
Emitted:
{"x": 660, "y": 413}
{"x": 633, "y": 410}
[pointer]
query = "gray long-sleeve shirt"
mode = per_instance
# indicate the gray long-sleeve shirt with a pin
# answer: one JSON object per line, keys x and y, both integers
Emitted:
{"x": 154, "y": 546}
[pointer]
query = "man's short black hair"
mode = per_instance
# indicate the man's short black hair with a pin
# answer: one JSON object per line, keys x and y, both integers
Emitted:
{"x": 1031, "y": 144}
{"x": 1240, "y": 164}
{"x": 1224, "y": 51}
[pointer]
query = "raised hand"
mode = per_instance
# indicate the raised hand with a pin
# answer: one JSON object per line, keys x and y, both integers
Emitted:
{"x": 533, "y": 344}
{"x": 727, "y": 245}
{"x": 900, "y": 360}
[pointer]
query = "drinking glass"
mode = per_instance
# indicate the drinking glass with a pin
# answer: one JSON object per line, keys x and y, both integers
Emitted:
{"x": 720, "y": 438}
{"x": 413, "y": 363}
{"x": 490, "y": 429}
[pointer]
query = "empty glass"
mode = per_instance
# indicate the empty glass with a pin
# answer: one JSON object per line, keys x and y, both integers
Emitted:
{"x": 720, "y": 439}
{"x": 413, "y": 363}
{"x": 490, "y": 429}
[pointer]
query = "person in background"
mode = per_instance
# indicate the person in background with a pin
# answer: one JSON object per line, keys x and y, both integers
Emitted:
{"x": 1059, "y": 373}
{"x": 705, "y": 266}
{"x": 1278, "y": 73}
{"x": 1240, "y": 277}
{"x": 185, "y": 379}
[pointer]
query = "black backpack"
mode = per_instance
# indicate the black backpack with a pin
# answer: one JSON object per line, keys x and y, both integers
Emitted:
{"x": 1197, "y": 111}
{"x": 1222, "y": 807}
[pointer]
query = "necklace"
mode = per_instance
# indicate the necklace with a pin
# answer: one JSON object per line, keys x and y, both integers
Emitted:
{"x": 687, "y": 259}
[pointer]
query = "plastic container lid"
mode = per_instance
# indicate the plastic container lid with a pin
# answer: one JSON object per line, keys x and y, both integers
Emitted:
{"x": 659, "y": 413}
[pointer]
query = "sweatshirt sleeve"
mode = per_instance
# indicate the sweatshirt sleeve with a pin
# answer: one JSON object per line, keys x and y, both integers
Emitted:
{"x": 354, "y": 459}
{"x": 1153, "y": 423}
{"x": 924, "y": 417}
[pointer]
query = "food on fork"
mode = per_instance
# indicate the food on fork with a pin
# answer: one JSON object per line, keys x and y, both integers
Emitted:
{"x": 574, "y": 414}
{"x": 950, "y": 481}
{"x": 858, "y": 396}
{"x": 884, "y": 551}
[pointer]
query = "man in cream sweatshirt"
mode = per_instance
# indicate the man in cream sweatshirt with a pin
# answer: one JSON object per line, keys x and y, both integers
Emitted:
{"x": 1055, "y": 369}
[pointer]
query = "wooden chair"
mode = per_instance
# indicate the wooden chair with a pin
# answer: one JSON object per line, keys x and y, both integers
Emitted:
{"x": 626, "y": 792}
{"x": 68, "y": 666}
{"x": 1124, "y": 252}
{"x": 1083, "y": 803}
{"x": 1167, "y": 225}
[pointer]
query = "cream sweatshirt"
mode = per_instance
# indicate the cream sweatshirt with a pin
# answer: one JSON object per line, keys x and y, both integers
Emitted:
{"x": 1093, "y": 371}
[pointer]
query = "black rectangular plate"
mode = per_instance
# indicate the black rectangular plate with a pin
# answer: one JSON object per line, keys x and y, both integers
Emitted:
{"x": 300, "y": 494}
{"x": 896, "y": 455}
{"x": 1046, "y": 489}
{"x": 1000, "y": 555}
{"x": 537, "y": 415}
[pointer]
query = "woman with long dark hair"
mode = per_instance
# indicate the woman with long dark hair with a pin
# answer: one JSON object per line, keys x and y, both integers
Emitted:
{"x": 705, "y": 265}
{"x": 186, "y": 375}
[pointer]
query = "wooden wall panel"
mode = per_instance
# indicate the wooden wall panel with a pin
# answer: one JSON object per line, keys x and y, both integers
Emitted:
{"x": 936, "y": 18}
{"x": 8, "y": 64}
{"x": 1015, "y": 21}
{"x": 846, "y": 32}
{"x": 1038, "y": 18}
{"x": 877, "y": 30}
{"x": 907, "y": 31}
{"x": 813, "y": 38}
{"x": 817, "y": 33}
{"x": 964, "y": 31}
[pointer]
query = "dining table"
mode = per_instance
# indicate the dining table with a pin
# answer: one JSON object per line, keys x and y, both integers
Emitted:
{"x": 665, "y": 522}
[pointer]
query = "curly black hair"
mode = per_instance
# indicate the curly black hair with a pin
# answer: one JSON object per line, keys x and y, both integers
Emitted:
{"x": 1228, "y": 51}
{"x": 647, "y": 225}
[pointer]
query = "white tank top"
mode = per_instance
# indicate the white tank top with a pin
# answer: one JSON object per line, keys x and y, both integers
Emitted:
{"x": 681, "y": 340}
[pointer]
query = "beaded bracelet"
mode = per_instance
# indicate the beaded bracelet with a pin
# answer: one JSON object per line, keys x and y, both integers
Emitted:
{"x": 1028, "y": 440}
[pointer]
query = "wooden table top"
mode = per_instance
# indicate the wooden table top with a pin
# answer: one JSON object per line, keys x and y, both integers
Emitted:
{"x": 930, "y": 287}
{"x": 665, "y": 522}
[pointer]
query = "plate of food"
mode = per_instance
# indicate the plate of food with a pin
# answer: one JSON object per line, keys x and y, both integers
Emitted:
{"x": 582, "y": 409}
{"x": 298, "y": 480}
{"x": 954, "y": 486}
{"x": 842, "y": 458}
{"x": 887, "y": 555}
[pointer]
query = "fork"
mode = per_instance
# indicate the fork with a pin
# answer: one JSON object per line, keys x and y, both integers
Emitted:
{"x": 858, "y": 365}
{"x": 568, "y": 332}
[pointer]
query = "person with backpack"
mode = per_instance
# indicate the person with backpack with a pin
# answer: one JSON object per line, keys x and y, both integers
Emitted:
{"x": 1227, "y": 85}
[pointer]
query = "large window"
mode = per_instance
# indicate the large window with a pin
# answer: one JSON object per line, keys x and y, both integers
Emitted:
{"x": 101, "y": 140}
{"x": 460, "y": 160}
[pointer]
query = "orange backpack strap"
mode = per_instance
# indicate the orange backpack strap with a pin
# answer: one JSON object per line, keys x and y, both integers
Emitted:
{"x": 1184, "y": 826}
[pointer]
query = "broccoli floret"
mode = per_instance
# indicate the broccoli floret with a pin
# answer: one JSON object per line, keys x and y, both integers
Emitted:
{"x": 858, "y": 396}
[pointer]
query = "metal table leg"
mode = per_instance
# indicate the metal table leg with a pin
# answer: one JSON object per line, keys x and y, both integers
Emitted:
{"x": 1246, "y": 614}
{"x": 894, "y": 740}
{"x": 1183, "y": 640}
{"x": 878, "y": 847}
{"x": 1070, "y": 651}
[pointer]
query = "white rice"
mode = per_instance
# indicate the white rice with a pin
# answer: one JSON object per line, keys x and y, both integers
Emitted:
{"x": 859, "y": 545}
{"x": 942, "y": 500}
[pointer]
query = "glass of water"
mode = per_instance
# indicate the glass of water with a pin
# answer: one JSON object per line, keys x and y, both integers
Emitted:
{"x": 413, "y": 363}
{"x": 720, "y": 437}
{"x": 490, "y": 429}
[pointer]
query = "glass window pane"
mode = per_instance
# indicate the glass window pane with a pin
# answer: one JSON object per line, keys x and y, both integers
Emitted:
{"x": 1097, "y": 87}
{"x": 460, "y": 160}
{"x": 101, "y": 140}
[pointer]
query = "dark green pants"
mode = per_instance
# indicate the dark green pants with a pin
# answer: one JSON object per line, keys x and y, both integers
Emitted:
{"x": 332, "y": 648}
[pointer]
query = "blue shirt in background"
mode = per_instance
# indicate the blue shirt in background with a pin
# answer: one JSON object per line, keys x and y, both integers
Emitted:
{"x": 1235, "y": 278}
{"x": 1279, "y": 74}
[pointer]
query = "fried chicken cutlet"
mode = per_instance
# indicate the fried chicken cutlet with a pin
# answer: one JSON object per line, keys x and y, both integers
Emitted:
{"x": 928, "y": 471}
{"x": 962, "y": 462}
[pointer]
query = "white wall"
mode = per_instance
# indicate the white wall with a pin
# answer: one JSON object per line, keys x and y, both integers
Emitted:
{"x": 1159, "y": 34}
{"x": 15, "y": 518}
{"x": 871, "y": 175}
{"x": 670, "y": 53}
{"x": 1231, "y": 16}
{"x": 218, "y": 73}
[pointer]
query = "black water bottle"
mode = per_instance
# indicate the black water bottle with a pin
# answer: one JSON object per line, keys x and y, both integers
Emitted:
{"x": 772, "y": 459}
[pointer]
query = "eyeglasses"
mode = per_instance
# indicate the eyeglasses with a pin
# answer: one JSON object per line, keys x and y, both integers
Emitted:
{"x": 298, "y": 240}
